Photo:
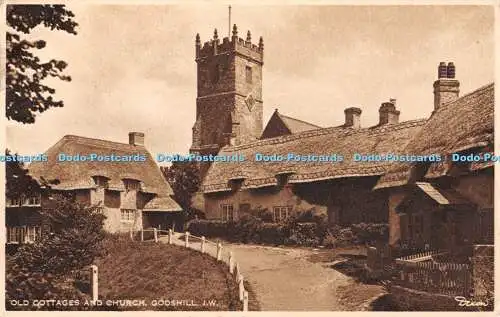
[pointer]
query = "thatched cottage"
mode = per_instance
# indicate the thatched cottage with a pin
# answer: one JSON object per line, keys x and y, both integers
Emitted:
{"x": 447, "y": 204}
{"x": 129, "y": 188}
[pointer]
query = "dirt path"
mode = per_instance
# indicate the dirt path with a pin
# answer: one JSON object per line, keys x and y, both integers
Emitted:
{"x": 284, "y": 278}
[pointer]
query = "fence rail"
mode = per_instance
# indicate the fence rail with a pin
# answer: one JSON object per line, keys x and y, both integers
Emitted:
{"x": 422, "y": 256}
{"x": 442, "y": 278}
{"x": 190, "y": 241}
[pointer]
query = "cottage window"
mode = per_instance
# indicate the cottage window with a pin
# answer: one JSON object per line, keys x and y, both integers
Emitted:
{"x": 127, "y": 215}
{"x": 101, "y": 181}
{"x": 32, "y": 200}
{"x": 280, "y": 213}
{"x": 248, "y": 74}
{"x": 227, "y": 212}
{"x": 132, "y": 184}
{"x": 14, "y": 201}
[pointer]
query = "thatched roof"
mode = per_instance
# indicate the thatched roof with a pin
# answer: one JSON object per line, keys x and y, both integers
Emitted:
{"x": 344, "y": 141}
{"x": 460, "y": 125}
{"x": 79, "y": 175}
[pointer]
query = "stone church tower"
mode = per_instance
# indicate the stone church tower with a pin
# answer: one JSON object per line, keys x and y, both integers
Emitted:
{"x": 229, "y": 100}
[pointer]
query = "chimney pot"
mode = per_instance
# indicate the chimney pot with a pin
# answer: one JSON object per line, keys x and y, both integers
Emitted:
{"x": 353, "y": 117}
{"x": 450, "y": 73}
{"x": 388, "y": 113}
{"x": 446, "y": 87}
{"x": 442, "y": 70}
{"x": 136, "y": 138}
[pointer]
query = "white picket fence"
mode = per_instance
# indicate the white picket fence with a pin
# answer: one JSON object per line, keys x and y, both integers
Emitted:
{"x": 203, "y": 245}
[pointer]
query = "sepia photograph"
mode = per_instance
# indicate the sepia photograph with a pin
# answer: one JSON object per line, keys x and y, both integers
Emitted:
{"x": 210, "y": 156}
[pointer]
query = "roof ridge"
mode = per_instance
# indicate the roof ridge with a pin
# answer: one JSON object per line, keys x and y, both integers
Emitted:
{"x": 322, "y": 131}
{"x": 475, "y": 91}
{"x": 288, "y": 117}
{"x": 107, "y": 143}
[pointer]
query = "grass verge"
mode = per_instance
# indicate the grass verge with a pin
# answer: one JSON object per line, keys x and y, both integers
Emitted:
{"x": 164, "y": 277}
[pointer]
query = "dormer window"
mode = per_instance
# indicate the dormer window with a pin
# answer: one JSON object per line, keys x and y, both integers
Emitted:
{"x": 132, "y": 184}
{"x": 101, "y": 181}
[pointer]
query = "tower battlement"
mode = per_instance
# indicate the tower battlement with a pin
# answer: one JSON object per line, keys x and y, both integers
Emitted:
{"x": 235, "y": 44}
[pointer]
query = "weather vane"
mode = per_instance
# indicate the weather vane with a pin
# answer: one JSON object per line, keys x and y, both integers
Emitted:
{"x": 229, "y": 28}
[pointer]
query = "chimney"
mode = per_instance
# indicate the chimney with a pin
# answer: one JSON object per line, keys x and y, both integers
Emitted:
{"x": 446, "y": 87}
{"x": 136, "y": 138}
{"x": 352, "y": 117}
{"x": 388, "y": 113}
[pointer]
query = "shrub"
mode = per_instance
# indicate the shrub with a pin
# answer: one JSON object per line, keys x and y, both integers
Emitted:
{"x": 356, "y": 234}
{"x": 45, "y": 268}
{"x": 370, "y": 233}
{"x": 73, "y": 243}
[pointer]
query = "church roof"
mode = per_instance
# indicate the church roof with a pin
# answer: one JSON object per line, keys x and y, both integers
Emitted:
{"x": 460, "y": 125}
{"x": 79, "y": 175}
{"x": 296, "y": 125}
{"x": 341, "y": 140}
{"x": 279, "y": 125}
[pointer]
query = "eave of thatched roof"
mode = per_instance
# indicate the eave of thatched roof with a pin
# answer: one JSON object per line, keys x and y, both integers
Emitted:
{"x": 460, "y": 125}
{"x": 389, "y": 138}
{"x": 79, "y": 175}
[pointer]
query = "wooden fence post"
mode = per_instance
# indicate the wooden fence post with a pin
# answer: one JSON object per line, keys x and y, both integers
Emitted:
{"x": 231, "y": 262}
{"x": 142, "y": 234}
{"x": 131, "y": 235}
{"x": 219, "y": 251}
{"x": 94, "y": 282}
{"x": 237, "y": 272}
{"x": 170, "y": 234}
{"x": 241, "y": 287}
{"x": 203, "y": 244}
{"x": 155, "y": 232}
{"x": 245, "y": 301}
{"x": 186, "y": 241}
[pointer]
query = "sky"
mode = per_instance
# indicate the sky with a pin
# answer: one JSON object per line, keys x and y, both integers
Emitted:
{"x": 133, "y": 67}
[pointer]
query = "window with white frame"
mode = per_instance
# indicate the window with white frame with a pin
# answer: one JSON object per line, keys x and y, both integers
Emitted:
{"x": 280, "y": 213}
{"x": 32, "y": 200}
{"x": 14, "y": 201}
{"x": 227, "y": 212}
{"x": 132, "y": 184}
{"x": 127, "y": 215}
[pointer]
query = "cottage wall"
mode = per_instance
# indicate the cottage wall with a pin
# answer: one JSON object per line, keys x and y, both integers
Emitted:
{"x": 396, "y": 196}
{"x": 345, "y": 202}
{"x": 478, "y": 188}
{"x": 265, "y": 198}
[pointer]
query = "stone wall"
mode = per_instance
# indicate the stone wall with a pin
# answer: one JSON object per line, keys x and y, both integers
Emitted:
{"x": 407, "y": 299}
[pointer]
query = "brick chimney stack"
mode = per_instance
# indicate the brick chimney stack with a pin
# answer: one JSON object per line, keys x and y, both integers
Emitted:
{"x": 136, "y": 138}
{"x": 446, "y": 87}
{"x": 388, "y": 113}
{"x": 352, "y": 117}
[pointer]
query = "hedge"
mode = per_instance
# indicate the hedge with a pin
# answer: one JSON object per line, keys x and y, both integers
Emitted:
{"x": 295, "y": 231}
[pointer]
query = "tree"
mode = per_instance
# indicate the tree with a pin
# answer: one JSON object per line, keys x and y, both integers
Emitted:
{"x": 184, "y": 178}
{"x": 25, "y": 92}
{"x": 18, "y": 181}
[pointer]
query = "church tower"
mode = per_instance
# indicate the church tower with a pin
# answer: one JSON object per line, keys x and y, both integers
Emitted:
{"x": 229, "y": 100}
